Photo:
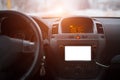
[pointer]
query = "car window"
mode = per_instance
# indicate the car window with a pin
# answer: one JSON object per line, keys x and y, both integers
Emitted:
{"x": 104, "y": 8}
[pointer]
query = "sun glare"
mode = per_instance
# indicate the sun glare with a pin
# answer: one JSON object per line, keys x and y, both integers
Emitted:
{"x": 59, "y": 10}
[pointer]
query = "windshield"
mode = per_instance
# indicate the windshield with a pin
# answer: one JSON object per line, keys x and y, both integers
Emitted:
{"x": 97, "y": 8}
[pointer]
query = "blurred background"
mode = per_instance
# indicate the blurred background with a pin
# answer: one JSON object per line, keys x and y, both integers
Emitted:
{"x": 104, "y": 8}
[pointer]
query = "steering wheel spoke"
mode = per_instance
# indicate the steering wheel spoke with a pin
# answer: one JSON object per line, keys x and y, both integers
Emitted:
{"x": 28, "y": 47}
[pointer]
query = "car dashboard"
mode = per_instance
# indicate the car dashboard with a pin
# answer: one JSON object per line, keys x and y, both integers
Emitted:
{"x": 70, "y": 48}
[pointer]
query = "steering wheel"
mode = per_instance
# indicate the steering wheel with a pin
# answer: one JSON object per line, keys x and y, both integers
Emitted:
{"x": 9, "y": 46}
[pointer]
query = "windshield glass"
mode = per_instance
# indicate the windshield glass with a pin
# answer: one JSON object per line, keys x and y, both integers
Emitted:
{"x": 104, "y": 8}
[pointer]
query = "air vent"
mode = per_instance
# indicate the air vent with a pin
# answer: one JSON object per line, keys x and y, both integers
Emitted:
{"x": 55, "y": 29}
{"x": 99, "y": 28}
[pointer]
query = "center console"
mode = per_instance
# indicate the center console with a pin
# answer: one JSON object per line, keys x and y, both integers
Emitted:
{"x": 75, "y": 47}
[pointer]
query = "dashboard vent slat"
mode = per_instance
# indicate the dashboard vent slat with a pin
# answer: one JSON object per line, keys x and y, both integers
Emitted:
{"x": 99, "y": 28}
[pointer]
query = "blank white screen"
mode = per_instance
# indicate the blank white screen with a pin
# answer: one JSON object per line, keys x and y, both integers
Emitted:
{"x": 77, "y": 53}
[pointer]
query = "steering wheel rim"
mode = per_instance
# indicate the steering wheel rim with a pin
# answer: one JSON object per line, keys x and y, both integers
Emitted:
{"x": 39, "y": 40}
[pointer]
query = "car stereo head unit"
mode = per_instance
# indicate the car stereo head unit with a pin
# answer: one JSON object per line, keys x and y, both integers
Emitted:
{"x": 77, "y": 53}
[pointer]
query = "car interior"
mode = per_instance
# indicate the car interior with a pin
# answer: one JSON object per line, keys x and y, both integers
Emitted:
{"x": 70, "y": 47}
